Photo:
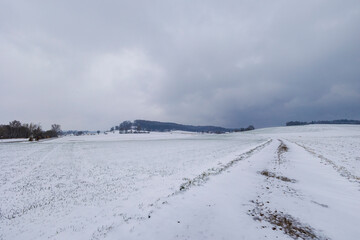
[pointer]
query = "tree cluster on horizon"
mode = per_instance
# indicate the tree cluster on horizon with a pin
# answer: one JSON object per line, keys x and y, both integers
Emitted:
{"x": 139, "y": 126}
{"x": 340, "y": 121}
{"x": 16, "y": 129}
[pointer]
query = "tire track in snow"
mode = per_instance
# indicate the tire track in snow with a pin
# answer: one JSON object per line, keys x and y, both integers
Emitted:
{"x": 202, "y": 178}
{"x": 197, "y": 181}
{"x": 279, "y": 220}
{"x": 340, "y": 169}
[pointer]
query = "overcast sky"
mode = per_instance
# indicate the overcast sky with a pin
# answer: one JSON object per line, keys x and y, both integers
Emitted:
{"x": 92, "y": 64}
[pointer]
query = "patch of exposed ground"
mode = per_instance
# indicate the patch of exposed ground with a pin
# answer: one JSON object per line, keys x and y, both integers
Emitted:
{"x": 268, "y": 174}
{"x": 281, "y": 221}
{"x": 14, "y": 213}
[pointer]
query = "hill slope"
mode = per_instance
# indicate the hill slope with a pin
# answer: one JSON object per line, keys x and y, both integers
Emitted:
{"x": 168, "y": 126}
{"x": 155, "y": 126}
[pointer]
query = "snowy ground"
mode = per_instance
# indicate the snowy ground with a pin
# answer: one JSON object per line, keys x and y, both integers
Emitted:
{"x": 13, "y": 140}
{"x": 290, "y": 182}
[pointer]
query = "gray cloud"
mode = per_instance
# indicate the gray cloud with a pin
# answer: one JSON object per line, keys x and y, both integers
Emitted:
{"x": 91, "y": 64}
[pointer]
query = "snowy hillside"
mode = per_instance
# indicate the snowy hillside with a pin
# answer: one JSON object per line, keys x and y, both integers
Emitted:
{"x": 288, "y": 182}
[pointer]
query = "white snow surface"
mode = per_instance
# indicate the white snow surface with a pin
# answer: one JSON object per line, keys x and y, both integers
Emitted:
{"x": 12, "y": 140}
{"x": 184, "y": 185}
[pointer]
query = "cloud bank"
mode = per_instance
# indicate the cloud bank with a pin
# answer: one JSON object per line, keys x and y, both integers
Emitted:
{"x": 92, "y": 64}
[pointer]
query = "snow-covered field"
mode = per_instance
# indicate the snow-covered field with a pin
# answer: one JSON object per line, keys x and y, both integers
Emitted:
{"x": 288, "y": 182}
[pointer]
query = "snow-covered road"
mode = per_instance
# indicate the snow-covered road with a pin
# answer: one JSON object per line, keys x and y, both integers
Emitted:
{"x": 269, "y": 183}
{"x": 281, "y": 192}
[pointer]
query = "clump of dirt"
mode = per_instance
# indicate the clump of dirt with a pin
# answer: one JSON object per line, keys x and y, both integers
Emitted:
{"x": 273, "y": 175}
{"x": 283, "y": 222}
{"x": 282, "y": 148}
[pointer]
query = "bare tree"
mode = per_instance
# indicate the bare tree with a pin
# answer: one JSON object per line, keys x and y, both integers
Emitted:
{"x": 32, "y": 126}
{"x": 56, "y": 129}
{"x": 15, "y": 124}
{"x": 37, "y": 132}
{"x": 14, "y": 128}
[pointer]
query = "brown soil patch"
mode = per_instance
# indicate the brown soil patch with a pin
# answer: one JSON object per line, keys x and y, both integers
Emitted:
{"x": 273, "y": 175}
{"x": 284, "y": 222}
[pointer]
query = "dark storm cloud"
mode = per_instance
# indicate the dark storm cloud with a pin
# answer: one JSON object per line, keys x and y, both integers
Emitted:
{"x": 91, "y": 64}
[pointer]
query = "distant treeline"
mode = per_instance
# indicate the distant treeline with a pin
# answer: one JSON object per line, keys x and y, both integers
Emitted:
{"x": 341, "y": 121}
{"x": 16, "y": 129}
{"x": 145, "y": 125}
{"x": 79, "y": 133}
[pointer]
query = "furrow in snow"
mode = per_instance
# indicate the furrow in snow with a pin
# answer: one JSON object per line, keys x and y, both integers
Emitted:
{"x": 340, "y": 169}
{"x": 202, "y": 178}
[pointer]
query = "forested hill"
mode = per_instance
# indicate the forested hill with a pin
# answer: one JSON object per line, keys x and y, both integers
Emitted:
{"x": 341, "y": 121}
{"x": 168, "y": 126}
{"x": 156, "y": 126}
